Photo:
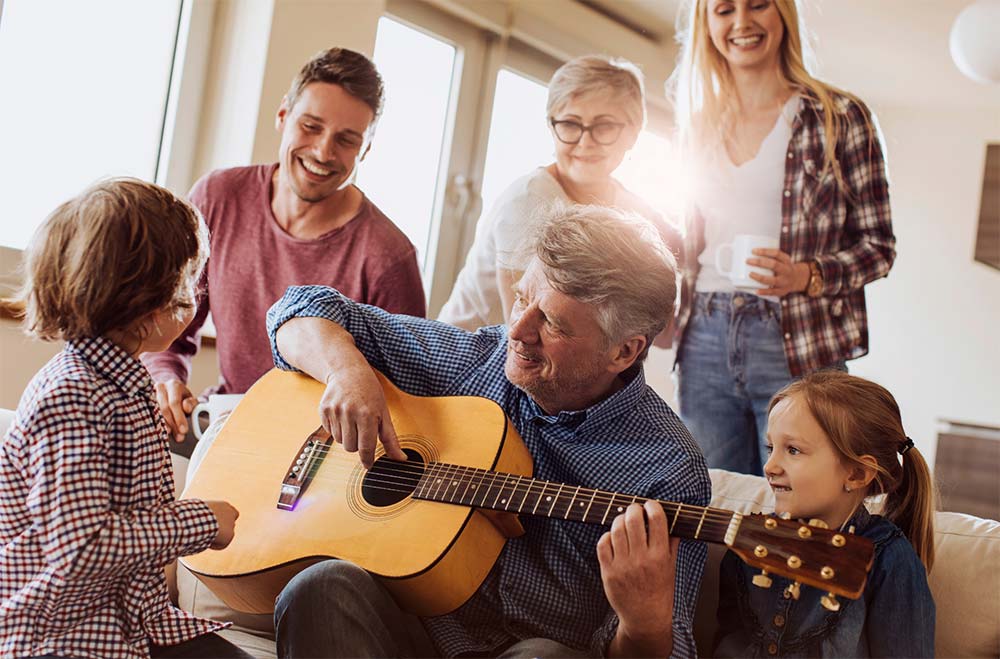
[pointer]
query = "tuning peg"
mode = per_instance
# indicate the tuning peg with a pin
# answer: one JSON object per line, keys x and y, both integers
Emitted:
{"x": 762, "y": 580}
{"x": 792, "y": 591}
{"x": 829, "y": 602}
{"x": 818, "y": 523}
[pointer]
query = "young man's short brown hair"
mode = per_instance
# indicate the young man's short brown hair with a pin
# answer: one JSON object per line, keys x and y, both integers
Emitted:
{"x": 347, "y": 68}
{"x": 107, "y": 258}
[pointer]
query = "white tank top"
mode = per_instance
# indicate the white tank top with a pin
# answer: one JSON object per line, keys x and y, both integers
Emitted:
{"x": 744, "y": 199}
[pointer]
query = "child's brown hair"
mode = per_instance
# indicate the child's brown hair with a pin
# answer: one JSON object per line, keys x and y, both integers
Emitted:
{"x": 862, "y": 418}
{"x": 110, "y": 256}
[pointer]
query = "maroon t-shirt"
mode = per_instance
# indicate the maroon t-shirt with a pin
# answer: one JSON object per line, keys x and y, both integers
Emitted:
{"x": 253, "y": 261}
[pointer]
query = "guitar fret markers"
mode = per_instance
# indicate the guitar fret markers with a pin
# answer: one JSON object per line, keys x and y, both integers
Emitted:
{"x": 469, "y": 486}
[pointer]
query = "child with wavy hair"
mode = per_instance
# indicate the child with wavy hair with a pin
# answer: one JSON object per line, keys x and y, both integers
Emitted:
{"x": 88, "y": 518}
{"x": 834, "y": 441}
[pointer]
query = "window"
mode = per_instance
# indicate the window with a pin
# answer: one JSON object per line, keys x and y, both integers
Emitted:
{"x": 400, "y": 174}
{"x": 519, "y": 134}
{"x": 85, "y": 88}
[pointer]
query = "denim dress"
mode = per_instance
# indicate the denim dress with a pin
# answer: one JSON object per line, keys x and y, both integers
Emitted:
{"x": 894, "y": 617}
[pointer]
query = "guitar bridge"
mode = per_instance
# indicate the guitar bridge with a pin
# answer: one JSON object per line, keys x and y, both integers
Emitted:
{"x": 300, "y": 473}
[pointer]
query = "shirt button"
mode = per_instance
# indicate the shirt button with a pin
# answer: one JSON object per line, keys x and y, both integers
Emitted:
{"x": 788, "y": 335}
{"x": 790, "y": 155}
{"x": 784, "y": 229}
{"x": 779, "y": 620}
{"x": 772, "y": 648}
{"x": 788, "y": 193}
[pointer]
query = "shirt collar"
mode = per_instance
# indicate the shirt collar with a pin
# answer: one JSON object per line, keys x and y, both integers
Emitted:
{"x": 112, "y": 362}
{"x": 581, "y": 420}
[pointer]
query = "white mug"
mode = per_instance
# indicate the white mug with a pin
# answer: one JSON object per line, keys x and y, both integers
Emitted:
{"x": 742, "y": 249}
{"x": 217, "y": 406}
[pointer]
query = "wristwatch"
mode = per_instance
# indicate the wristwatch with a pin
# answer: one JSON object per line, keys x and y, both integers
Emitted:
{"x": 815, "y": 286}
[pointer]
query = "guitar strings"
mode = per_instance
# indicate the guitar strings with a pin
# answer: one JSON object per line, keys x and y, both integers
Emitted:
{"x": 404, "y": 478}
{"x": 410, "y": 481}
{"x": 714, "y": 519}
{"x": 533, "y": 486}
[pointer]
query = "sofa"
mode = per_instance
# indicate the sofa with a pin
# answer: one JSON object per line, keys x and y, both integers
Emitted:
{"x": 965, "y": 581}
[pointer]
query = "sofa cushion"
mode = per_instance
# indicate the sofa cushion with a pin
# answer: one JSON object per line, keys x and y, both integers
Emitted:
{"x": 195, "y": 597}
{"x": 965, "y": 582}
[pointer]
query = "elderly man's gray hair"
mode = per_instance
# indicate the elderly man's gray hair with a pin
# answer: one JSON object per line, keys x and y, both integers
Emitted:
{"x": 614, "y": 260}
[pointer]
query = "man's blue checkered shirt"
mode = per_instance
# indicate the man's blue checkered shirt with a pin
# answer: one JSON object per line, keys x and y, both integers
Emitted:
{"x": 546, "y": 583}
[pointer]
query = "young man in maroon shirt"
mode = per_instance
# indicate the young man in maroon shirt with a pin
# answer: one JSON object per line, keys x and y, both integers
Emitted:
{"x": 297, "y": 221}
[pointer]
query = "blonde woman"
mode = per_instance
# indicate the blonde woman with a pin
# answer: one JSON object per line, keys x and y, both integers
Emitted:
{"x": 779, "y": 154}
{"x": 596, "y": 109}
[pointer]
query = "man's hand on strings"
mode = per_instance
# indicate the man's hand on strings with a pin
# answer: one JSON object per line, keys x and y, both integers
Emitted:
{"x": 353, "y": 410}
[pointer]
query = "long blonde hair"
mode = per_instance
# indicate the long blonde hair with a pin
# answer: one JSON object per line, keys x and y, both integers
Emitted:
{"x": 704, "y": 92}
{"x": 862, "y": 418}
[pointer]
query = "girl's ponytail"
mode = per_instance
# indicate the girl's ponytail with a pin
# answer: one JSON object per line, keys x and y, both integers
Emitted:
{"x": 910, "y": 505}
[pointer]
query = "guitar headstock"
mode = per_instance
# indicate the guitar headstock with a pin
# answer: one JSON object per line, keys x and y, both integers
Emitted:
{"x": 835, "y": 562}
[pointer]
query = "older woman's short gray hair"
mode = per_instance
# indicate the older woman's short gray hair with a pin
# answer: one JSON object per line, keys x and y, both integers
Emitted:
{"x": 589, "y": 74}
{"x": 614, "y": 260}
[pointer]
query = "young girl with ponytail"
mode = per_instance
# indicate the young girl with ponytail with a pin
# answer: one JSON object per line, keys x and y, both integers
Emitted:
{"x": 836, "y": 441}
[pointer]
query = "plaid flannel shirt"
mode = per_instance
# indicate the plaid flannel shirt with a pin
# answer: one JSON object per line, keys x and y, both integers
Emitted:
{"x": 546, "y": 583}
{"x": 88, "y": 518}
{"x": 847, "y": 232}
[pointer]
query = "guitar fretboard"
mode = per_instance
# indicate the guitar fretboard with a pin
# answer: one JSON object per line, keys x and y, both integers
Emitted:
{"x": 479, "y": 488}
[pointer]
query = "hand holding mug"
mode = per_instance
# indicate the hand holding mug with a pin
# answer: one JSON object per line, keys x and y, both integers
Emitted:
{"x": 787, "y": 277}
{"x": 740, "y": 251}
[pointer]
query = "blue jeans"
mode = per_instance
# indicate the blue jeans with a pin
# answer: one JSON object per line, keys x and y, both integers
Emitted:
{"x": 731, "y": 361}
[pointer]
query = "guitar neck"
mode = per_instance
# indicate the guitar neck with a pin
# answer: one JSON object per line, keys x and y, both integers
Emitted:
{"x": 480, "y": 488}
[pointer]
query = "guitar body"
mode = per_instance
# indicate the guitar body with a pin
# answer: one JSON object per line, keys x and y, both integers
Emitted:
{"x": 432, "y": 557}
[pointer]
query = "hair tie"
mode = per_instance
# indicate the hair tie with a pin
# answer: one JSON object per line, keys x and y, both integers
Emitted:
{"x": 906, "y": 446}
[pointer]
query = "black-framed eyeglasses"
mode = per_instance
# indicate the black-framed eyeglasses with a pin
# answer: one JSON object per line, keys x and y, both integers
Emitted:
{"x": 571, "y": 132}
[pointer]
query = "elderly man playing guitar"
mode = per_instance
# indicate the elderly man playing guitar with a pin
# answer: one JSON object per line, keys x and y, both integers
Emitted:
{"x": 568, "y": 374}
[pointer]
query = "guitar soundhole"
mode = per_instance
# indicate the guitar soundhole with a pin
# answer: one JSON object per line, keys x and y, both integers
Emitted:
{"x": 389, "y": 482}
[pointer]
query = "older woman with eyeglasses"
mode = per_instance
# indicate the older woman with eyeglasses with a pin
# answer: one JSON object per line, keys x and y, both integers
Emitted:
{"x": 596, "y": 109}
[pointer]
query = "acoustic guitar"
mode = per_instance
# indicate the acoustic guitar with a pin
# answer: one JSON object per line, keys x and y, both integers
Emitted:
{"x": 432, "y": 527}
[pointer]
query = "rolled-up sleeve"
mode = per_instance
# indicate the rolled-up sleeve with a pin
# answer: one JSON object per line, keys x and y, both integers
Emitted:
{"x": 406, "y": 349}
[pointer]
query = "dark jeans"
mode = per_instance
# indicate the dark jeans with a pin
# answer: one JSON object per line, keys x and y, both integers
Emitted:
{"x": 201, "y": 647}
{"x": 206, "y": 646}
{"x": 336, "y": 609}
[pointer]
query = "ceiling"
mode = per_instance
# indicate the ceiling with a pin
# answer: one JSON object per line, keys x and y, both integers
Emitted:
{"x": 889, "y": 52}
{"x": 654, "y": 18}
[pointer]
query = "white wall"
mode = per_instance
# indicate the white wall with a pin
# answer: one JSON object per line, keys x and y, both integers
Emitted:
{"x": 935, "y": 319}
